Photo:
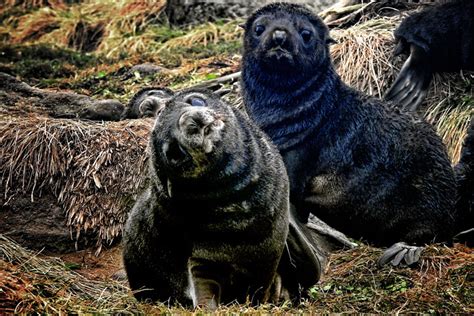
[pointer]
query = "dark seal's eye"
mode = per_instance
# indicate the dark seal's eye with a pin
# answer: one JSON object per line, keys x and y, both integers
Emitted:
{"x": 259, "y": 29}
{"x": 306, "y": 35}
{"x": 196, "y": 101}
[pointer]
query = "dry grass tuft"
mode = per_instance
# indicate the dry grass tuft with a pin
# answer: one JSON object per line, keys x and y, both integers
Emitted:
{"x": 363, "y": 55}
{"x": 93, "y": 169}
{"x": 32, "y": 4}
{"x": 206, "y": 34}
{"x": 441, "y": 283}
{"x": 32, "y": 283}
{"x": 121, "y": 23}
{"x": 450, "y": 107}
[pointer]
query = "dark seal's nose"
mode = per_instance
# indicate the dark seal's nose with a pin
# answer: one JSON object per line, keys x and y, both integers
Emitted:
{"x": 199, "y": 128}
{"x": 279, "y": 37}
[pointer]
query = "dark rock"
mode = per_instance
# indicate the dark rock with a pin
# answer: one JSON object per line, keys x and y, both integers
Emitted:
{"x": 146, "y": 69}
{"x": 38, "y": 224}
{"x": 10, "y": 83}
{"x": 65, "y": 104}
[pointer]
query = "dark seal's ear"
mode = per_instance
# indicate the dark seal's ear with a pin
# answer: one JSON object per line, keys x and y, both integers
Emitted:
{"x": 330, "y": 41}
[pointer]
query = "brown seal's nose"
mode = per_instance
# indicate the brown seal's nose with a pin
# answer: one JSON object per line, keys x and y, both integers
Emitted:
{"x": 279, "y": 36}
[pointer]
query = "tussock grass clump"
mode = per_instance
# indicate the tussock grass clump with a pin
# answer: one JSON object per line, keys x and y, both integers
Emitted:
{"x": 94, "y": 170}
{"x": 114, "y": 27}
{"x": 362, "y": 55}
{"x": 206, "y": 34}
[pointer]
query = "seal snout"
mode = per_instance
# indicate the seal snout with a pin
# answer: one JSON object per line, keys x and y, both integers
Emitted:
{"x": 199, "y": 128}
{"x": 278, "y": 45}
{"x": 279, "y": 36}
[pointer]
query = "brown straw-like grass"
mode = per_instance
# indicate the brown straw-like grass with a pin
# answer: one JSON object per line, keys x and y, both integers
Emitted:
{"x": 125, "y": 24}
{"x": 94, "y": 169}
{"x": 441, "y": 283}
{"x": 53, "y": 288}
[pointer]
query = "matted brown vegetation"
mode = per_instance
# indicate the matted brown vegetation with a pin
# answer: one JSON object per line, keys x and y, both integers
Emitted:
{"x": 120, "y": 23}
{"x": 441, "y": 283}
{"x": 93, "y": 169}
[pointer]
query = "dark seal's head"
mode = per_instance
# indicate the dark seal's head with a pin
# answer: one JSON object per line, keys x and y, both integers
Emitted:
{"x": 147, "y": 102}
{"x": 286, "y": 38}
{"x": 190, "y": 133}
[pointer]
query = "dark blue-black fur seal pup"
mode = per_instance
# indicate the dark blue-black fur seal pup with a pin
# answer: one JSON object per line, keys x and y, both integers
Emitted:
{"x": 213, "y": 223}
{"x": 365, "y": 169}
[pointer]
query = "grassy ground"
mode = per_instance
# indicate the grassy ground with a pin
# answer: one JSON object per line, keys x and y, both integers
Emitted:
{"x": 441, "y": 283}
{"x": 41, "y": 43}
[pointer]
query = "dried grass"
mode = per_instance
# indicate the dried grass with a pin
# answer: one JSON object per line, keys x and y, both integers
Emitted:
{"x": 94, "y": 170}
{"x": 31, "y": 4}
{"x": 441, "y": 283}
{"x": 47, "y": 285}
{"x": 362, "y": 55}
{"x": 124, "y": 23}
{"x": 206, "y": 34}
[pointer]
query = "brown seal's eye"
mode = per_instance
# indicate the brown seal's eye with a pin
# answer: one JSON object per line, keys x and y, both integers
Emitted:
{"x": 259, "y": 29}
{"x": 196, "y": 101}
{"x": 306, "y": 35}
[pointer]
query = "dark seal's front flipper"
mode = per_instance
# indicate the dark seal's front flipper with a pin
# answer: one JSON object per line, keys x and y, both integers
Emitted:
{"x": 411, "y": 85}
{"x": 439, "y": 39}
{"x": 400, "y": 254}
{"x": 327, "y": 238}
{"x": 300, "y": 265}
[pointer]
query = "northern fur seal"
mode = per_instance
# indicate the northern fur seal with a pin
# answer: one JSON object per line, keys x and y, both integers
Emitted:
{"x": 367, "y": 170}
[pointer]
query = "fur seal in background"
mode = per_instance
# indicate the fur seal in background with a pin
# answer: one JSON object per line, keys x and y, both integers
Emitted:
{"x": 365, "y": 169}
{"x": 147, "y": 102}
{"x": 103, "y": 110}
{"x": 437, "y": 39}
{"x": 212, "y": 225}
{"x": 465, "y": 180}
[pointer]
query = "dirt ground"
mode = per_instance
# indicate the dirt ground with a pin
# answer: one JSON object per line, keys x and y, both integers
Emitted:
{"x": 108, "y": 264}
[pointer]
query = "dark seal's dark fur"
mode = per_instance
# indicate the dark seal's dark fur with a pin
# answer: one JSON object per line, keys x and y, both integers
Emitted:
{"x": 147, "y": 102}
{"x": 103, "y": 110}
{"x": 437, "y": 39}
{"x": 369, "y": 171}
{"x": 465, "y": 179}
{"x": 213, "y": 223}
